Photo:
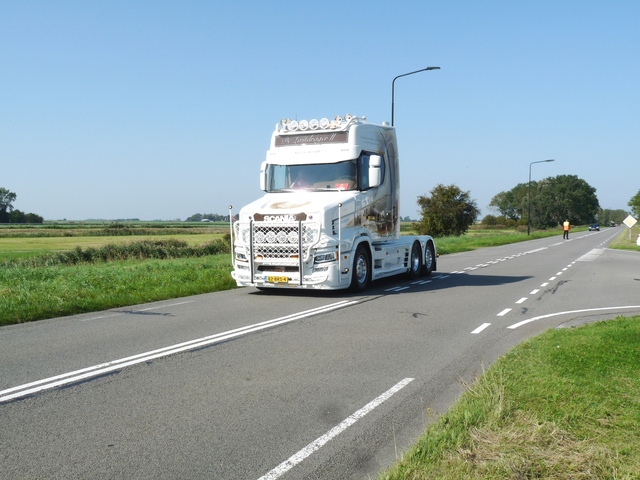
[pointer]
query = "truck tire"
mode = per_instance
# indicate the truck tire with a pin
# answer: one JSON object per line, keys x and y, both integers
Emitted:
{"x": 361, "y": 272}
{"x": 429, "y": 261}
{"x": 415, "y": 261}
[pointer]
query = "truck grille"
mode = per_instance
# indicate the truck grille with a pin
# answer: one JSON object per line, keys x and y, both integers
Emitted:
{"x": 278, "y": 241}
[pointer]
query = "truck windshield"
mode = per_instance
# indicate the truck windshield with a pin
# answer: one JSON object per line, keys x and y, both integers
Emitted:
{"x": 324, "y": 176}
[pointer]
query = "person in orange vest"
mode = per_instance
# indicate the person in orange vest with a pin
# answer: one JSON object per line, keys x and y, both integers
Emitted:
{"x": 565, "y": 229}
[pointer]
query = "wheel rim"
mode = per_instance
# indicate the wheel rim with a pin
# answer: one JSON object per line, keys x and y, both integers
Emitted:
{"x": 361, "y": 269}
{"x": 429, "y": 258}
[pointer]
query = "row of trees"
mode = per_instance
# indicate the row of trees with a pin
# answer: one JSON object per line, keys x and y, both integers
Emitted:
{"x": 10, "y": 215}
{"x": 212, "y": 217}
{"x": 549, "y": 202}
{"x": 552, "y": 201}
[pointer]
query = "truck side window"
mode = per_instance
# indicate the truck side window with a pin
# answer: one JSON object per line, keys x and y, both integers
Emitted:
{"x": 363, "y": 171}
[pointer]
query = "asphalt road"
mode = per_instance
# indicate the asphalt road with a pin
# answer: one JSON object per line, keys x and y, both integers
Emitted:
{"x": 247, "y": 385}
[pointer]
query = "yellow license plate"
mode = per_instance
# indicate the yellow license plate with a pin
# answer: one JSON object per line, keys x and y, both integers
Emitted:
{"x": 277, "y": 279}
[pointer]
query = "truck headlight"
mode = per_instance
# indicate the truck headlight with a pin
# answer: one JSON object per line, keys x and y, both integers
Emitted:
{"x": 326, "y": 257}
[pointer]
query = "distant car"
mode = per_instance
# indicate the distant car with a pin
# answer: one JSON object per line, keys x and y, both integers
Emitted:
{"x": 594, "y": 226}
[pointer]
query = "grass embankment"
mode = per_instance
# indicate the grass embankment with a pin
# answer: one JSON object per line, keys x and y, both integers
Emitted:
{"x": 114, "y": 275}
{"x": 564, "y": 405}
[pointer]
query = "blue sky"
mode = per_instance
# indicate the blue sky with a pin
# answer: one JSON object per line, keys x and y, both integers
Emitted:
{"x": 162, "y": 109}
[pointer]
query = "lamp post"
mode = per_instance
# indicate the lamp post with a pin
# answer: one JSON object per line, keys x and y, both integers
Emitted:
{"x": 529, "y": 194}
{"x": 404, "y": 75}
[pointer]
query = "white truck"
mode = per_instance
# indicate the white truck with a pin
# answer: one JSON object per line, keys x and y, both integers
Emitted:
{"x": 330, "y": 217}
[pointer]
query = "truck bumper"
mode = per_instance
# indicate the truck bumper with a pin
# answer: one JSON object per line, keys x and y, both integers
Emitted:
{"x": 325, "y": 276}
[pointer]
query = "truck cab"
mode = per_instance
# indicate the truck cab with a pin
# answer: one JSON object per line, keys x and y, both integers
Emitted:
{"x": 329, "y": 218}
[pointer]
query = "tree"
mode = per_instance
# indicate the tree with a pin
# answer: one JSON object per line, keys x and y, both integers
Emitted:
{"x": 513, "y": 203}
{"x": 6, "y": 204}
{"x": 634, "y": 203}
{"x": 448, "y": 211}
{"x": 568, "y": 197}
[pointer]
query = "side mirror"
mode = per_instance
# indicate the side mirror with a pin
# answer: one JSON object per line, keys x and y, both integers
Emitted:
{"x": 263, "y": 176}
{"x": 375, "y": 161}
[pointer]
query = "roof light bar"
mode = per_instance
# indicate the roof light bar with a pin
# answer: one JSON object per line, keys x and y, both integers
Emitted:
{"x": 288, "y": 125}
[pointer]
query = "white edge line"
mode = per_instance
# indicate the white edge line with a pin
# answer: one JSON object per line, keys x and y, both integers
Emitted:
{"x": 164, "y": 349}
{"x": 103, "y": 368}
{"x": 335, "y": 431}
{"x": 481, "y": 328}
{"x": 524, "y": 322}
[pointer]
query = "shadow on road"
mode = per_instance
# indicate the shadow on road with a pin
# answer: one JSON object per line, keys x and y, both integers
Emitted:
{"x": 437, "y": 281}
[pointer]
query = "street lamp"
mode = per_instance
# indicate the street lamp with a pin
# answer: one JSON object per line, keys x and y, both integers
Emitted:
{"x": 404, "y": 75}
{"x": 529, "y": 194}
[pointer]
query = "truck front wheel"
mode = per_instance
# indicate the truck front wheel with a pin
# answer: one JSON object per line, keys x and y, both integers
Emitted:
{"x": 361, "y": 272}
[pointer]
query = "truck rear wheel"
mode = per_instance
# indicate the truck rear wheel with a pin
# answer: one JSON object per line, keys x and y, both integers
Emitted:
{"x": 415, "y": 261}
{"x": 429, "y": 261}
{"x": 361, "y": 272}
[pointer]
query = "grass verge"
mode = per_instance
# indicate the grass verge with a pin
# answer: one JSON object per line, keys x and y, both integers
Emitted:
{"x": 481, "y": 238}
{"x": 28, "y": 293}
{"x": 113, "y": 275}
{"x": 627, "y": 240}
{"x": 563, "y": 405}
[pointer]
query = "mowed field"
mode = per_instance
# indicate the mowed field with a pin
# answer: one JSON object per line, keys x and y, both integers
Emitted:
{"x": 31, "y": 246}
{"x": 29, "y": 241}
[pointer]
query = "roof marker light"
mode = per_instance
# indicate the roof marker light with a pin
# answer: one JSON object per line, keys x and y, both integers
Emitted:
{"x": 288, "y": 125}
